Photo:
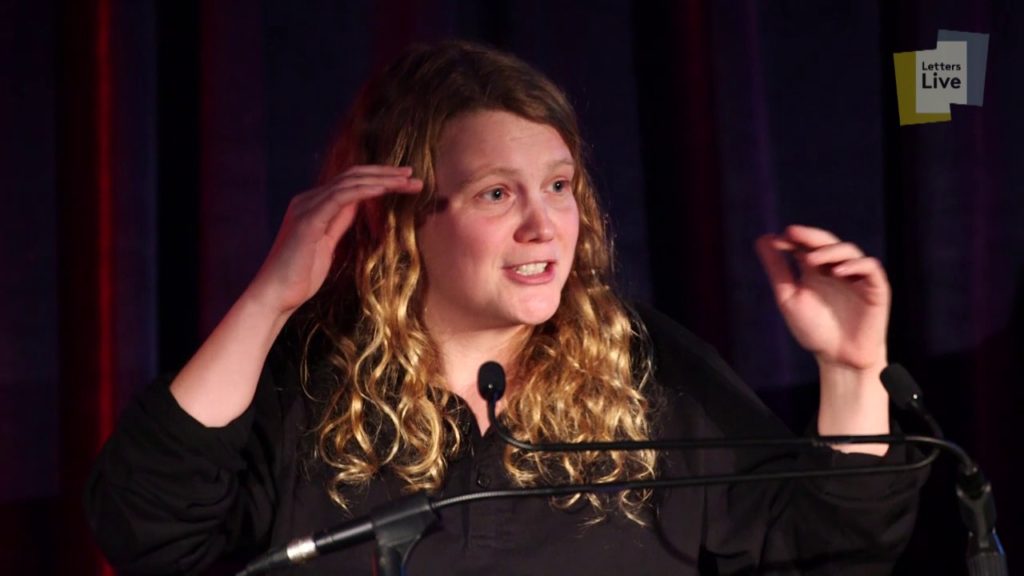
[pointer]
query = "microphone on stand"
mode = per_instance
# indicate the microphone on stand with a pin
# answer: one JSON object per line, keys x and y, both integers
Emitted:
{"x": 491, "y": 386}
{"x": 985, "y": 555}
{"x": 398, "y": 526}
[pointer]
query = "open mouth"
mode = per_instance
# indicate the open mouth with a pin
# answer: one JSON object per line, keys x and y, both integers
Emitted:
{"x": 532, "y": 269}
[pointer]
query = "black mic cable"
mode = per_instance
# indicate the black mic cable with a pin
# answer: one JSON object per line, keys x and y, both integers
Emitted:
{"x": 419, "y": 511}
{"x": 985, "y": 555}
{"x": 491, "y": 386}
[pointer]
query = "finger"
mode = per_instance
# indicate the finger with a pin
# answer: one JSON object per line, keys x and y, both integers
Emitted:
{"x": 780, "y": 243}
{"x": 868, "y": 276}
{"x": 323, "y": 213}
{"x": 341, "y": 219}
{"x": 867, "y": 267}
{"x": 396, "y": 182}
{"x": 832, "y": 254}
{"x": 358, "y": 193}
{"x": 340, "y": 223}
{"x": 376, "y": 170}
{"x": 775, "y": 265}
{"x": 361, "y": 174}
{"x": 809, "y": 236}
{"x": 353, "y": 190}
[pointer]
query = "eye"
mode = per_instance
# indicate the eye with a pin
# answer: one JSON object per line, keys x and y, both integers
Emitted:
{"x": 494, "y": 195}
{"x": 562, "y": 186}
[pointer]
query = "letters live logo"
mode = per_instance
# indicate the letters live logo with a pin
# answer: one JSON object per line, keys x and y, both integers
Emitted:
{"x": 928, "y": 81}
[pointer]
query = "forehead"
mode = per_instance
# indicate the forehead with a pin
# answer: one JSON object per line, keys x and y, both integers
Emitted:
{"x": 477, "y": 139}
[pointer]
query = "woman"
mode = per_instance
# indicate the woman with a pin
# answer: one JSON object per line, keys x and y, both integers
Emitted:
{"x": 456, "y": 224}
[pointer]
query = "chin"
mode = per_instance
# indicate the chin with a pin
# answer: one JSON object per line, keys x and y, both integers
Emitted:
{"x": 538, "y": 312}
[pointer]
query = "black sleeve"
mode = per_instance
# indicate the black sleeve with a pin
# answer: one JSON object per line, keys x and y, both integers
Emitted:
{"x": 168, "y": 495}
{"x": 840, "y": 525}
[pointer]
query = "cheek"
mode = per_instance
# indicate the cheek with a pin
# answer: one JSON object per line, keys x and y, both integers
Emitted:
{"x": 477, "y": 247}
{"x": 571, "y": 235}
{"x": 456, "y": 247}
{"x": 434, "y": 240}
{"x": 571, "y": 226}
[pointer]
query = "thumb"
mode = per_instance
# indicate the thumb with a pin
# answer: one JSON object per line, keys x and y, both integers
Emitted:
{"x": 769, "y": 248}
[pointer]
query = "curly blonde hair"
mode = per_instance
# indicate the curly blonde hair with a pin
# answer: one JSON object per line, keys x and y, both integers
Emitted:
{"x": 578, "y": 376}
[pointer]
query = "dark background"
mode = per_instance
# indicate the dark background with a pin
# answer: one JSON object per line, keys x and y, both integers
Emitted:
{"x": 148, "y": 149}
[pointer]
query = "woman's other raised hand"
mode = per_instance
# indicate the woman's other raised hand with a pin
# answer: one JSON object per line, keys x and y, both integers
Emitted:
{"x": 315, "y": 222}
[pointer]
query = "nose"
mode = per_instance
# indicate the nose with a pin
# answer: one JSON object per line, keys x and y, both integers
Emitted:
{"x": 536, "y": 224}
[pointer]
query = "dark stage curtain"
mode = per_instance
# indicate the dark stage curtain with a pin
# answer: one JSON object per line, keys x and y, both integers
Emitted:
{"x": 149, "y": 149}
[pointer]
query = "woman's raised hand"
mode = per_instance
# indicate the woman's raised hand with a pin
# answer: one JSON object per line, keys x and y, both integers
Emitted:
{"x": 315, "y": 221}
{"x": 838, "y": 308}
{"x": 219, "y": 381}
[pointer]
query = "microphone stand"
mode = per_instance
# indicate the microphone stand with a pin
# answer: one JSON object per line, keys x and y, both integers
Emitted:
{"x": 985, "y": 554}
{"x": 400, "y": 524}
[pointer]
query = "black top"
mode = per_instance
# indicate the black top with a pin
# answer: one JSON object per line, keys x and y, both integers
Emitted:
{"x": 170, "y": 496}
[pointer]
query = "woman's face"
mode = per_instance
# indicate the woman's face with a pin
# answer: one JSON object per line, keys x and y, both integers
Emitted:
{"x": 498, "y": 248}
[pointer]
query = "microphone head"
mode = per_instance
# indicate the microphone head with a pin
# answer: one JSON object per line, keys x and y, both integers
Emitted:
{"x": 901, "y": 386}
{"x": 491, "y": 381}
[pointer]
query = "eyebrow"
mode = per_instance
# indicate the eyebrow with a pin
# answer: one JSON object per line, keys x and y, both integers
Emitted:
{"x": 510, "y": 172}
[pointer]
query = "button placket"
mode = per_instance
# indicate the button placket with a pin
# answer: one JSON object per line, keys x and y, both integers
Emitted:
{"x": 489, "y": 520}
